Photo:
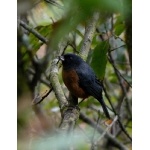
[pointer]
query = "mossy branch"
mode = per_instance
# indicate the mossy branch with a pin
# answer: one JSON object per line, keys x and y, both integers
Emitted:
{"x": 88, "y": 36}
{"x": 56, "y": 85}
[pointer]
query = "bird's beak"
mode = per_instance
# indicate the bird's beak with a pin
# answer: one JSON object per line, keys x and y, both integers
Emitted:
{"x": 61, "y": 58}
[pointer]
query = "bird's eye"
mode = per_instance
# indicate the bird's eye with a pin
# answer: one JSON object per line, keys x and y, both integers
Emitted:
{"x": 71, "y": 58}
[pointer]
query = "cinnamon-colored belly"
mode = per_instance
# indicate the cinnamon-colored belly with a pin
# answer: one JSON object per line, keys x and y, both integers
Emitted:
{"x": 71, "y": 81}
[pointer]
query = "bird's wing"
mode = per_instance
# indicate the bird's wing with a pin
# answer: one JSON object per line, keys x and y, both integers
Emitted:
{"x": 89, "y": 82}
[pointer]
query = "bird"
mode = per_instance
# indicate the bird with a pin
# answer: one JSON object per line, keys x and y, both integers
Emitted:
{"x": 81, "y": 80}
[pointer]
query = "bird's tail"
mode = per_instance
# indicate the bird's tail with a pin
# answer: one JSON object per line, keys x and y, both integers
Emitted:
{"x": 104, "y": 107}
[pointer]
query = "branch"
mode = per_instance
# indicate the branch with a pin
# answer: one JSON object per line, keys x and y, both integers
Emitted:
{"x": 88, "y": 36}
{"x": 120, "y": 80}
{"x": 70, "y": 116}
{"x": 120, "y": 77}
{"x": 117, "y": 37}
{"x": 38, "y": 99}
{"x": 118, "y": 72}
{"x": 107, "y": 129}
{"x": 112, "y": 62}
{"x": 33, "y": 31}
{"x": 117, "y": 48}
{"x": 112, "y": 139}
{"x": 56, "y": 85}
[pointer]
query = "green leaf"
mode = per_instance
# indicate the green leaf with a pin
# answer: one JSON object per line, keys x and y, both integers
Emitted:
{"x": 99, "y": 59}
{"x": 119, "y": 29}
{"x": 119, "y": 20}
{"x": 35, "y": 42}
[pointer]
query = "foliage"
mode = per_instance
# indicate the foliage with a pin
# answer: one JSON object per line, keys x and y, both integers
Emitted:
{"x": 110, "y": 56}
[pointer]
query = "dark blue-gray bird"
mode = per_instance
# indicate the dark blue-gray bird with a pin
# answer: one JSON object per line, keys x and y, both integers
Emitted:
{"x": 81, "y": 80}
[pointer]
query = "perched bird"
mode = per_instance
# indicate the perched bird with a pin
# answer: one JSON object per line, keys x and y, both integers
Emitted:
{"x": 81, "y": 80}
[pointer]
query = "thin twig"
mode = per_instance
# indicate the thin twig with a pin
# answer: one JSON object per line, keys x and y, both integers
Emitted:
{"x": 118, "y": 72}
{"x": 119, "y": 122}
{"x": 74, "y": 48}
{"x": 38, "y": 99}
{"x": 116, "y": 48}
{"x": 107, "y": 129}
{"x": 33, "y": 31}
{"x": 112, "y": 61}
{"x": 119, "y": 131}
{"x": 117, "y": 37}
{"x": 108, "y": 98}
{"x": 120, "y": 77}
{"x": 120, "y": 81}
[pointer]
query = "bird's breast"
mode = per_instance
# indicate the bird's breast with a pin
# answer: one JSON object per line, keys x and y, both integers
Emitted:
{"x": 71, "y": 80}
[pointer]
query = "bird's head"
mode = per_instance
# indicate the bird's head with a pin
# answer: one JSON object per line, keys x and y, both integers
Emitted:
{"x": 70, "y": 61}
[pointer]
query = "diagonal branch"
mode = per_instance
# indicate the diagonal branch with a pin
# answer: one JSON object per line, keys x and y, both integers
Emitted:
{"x": 117, "y": 71}
{"x": 120, "y": 82}
{"x": 119, "y": 122}
{"x": 107, "y": 129}
{"x": 69, "y": 114}
{"x": 33, "y": 31}
{"x": 38, "y": 99}
{"x": 56, "y": 85}
{"x": 88, "y": 36}
{"x": 117, "y": 48}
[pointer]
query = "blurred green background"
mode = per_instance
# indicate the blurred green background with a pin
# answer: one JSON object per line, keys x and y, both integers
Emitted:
{"x": 110, "y": 57}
